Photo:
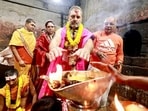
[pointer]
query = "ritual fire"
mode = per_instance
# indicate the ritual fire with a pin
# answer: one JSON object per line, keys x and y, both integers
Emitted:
{"x": 83, "y": 90}
{"x": 128, "y": 105}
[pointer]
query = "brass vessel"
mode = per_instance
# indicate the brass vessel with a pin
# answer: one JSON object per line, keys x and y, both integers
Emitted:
{"x": 87, "y": 93}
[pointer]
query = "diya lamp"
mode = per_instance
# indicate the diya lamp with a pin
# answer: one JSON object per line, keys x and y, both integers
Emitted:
{"x": 127, "y": 105}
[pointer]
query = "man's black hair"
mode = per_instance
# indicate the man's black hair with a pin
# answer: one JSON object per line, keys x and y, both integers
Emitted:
{"x": 3, "y": 69}
{"x": 29, "y": 20}
{"x": 47, "y": 103}
{"x": 11, "y": 72}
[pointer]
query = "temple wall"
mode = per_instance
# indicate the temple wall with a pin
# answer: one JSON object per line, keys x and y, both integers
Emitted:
{"x": 130, "y": 14}
{"x": 13, "y": 16}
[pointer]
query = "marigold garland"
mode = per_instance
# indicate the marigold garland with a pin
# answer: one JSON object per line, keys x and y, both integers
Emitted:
{"x": 78, "y": 35}
{"x": 8, "y": 95}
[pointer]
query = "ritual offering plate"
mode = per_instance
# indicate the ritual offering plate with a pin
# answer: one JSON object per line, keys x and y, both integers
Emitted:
{"x": 83, "y": 87}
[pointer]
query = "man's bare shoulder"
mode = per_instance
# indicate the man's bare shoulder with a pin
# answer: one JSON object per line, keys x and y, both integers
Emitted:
{"x": 58, "y": 33}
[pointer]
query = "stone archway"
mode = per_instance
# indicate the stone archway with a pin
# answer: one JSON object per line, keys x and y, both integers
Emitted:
{"x": 132, "y": 43}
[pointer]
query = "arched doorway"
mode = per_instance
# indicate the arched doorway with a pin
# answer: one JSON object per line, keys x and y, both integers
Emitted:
{"x": 132, "y": 43}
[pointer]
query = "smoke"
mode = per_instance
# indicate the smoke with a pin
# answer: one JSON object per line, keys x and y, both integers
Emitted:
{"x": 120, "y": 9}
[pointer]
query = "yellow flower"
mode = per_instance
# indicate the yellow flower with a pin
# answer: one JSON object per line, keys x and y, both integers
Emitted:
{"x": 77, "y": 39}
{"x": 20, "y": 109}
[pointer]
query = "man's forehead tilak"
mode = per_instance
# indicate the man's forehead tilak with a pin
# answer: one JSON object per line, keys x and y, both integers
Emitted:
{"x": 8, "y": 78}
{"x": 76, "y": 11}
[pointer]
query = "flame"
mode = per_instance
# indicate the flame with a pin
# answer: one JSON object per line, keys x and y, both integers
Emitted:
{"x": 128, "y": 105}
{"x": 86, "y": 103}
{"x": 57, "y": 75}
{"x": 118, "y": 105}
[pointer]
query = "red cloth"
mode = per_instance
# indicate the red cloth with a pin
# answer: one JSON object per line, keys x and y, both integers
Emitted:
{"x": 42, "y": 47}
{"x": 24, "y": 54}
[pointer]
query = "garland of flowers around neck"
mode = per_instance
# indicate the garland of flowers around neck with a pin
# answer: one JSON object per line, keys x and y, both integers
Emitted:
{"x": 78, "y": 35}
{"x": 8, "y": 95}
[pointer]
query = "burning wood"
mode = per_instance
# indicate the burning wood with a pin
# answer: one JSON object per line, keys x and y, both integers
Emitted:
{"x": 60, "y": 79}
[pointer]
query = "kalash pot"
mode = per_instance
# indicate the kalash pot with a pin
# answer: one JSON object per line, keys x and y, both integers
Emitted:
{"x": 85, "y": 95}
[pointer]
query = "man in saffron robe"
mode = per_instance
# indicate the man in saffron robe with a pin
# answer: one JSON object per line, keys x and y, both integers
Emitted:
{"x": 71, "y": 46}
{"x": 22, "y": 45}
{"x": 41, "y": 49}
{"x": 13, "y": 95}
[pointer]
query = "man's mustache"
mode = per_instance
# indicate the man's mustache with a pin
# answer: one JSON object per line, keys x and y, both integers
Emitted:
{"x": 74, "y": 23}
